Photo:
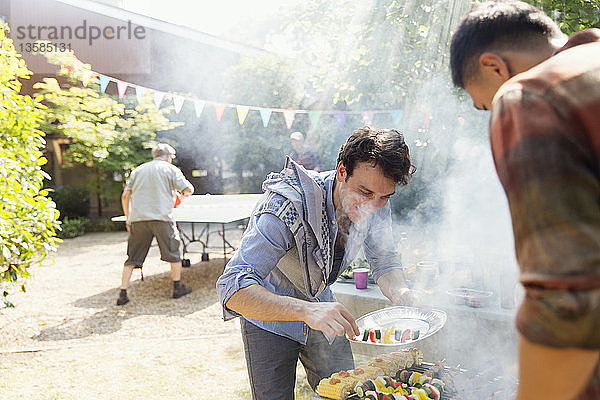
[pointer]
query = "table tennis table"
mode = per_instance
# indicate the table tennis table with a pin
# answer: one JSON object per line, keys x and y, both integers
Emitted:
{"x": 196, "y": 213}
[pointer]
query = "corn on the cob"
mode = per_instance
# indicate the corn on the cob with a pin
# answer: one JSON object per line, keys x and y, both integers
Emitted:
{"x": 333, "y": 388}
{"x": 364, "y": 372}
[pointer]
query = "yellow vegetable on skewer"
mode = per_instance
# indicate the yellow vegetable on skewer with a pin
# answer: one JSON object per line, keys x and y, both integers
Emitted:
{"x": 387, "y": 335}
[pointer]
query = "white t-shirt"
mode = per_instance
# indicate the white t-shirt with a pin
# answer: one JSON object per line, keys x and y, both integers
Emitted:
{"x": 153, "y": 186}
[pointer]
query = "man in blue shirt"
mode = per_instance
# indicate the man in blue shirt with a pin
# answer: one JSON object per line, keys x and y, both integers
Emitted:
{"x": 302, "y": 234}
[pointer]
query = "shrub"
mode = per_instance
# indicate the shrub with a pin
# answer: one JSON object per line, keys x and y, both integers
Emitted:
{"x": 28, "y": 218}
{"x": 71, "y": 201}
{"x": 72, "y": 227}
{"x": 104, "y": 225}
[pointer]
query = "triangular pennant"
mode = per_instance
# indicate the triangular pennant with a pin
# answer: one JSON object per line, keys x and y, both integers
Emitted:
{"x": 178, "y": 102}
{"x": 198, "y": 106}
{"x": 396, "y": 117}
{"x": 104, "y": 80}
{"x": 265, "y": 115}
{"x": 367, "y": 117}
{"x": 340, "y": 117}
{"x": 242, "y": 112}
{"x": 314, "y": 117}
{"x": 219, "y": 109}
{"x": 158, "y": 98}
{"x": 288, "y": 116}
{"x": 140, "y": 91}
{"x": 121, "y": 88}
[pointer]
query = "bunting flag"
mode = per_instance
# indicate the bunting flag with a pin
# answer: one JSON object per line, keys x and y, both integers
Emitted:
{"x": 219, "y": 109}
{"x": 103, "y": 82}
{"x": 289, "y": 116}
{"x": 340, "y": 117}
{"x": 242, "y": 112}
{"x": 367, "y": 117}
{"x": 158, "y": 98}
{"x": 265, "y": 115}
{"x": 140, "y": 91}
{"x": 178, "y": 102}
{"x": 121, "y": 88}
{"x": 198, "y": 106}
{"x": 396, "y": 117}
{"x": 314, "y": 117}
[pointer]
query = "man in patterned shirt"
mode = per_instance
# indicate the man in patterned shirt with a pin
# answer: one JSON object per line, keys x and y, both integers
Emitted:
{"x": 302, "y": 235}
{"x": 544, "y": 94}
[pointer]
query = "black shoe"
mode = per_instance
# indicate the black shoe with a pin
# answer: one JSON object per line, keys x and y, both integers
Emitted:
{"x": 123, "y": 299}
{"x": 180, "y": 291}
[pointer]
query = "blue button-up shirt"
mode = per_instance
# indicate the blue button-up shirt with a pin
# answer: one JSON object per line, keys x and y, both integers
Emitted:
{"x": 267, "y": 241}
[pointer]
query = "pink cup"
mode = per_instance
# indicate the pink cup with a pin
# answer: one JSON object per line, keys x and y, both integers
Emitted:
{"x": 360, "y": 277}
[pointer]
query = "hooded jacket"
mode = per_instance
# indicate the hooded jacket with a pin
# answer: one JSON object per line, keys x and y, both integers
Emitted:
{"x": 301, "y": 210}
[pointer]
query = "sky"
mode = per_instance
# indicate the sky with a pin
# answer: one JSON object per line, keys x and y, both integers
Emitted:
{"x": 210, "y": 16}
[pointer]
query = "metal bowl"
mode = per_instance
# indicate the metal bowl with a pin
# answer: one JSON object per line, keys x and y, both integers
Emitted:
{"x": 426, "y": 321}
{"x": 470, "y": 297}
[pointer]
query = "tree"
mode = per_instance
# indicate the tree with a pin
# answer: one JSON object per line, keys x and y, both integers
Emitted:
{"x": 572, "y": 15}
{"x": 108, "y": 138}
{"x": 352, "y": 56}
{"x": 28, "y": 219}
{"x": 372, "y": 55}
{"x": 256, "y": 150}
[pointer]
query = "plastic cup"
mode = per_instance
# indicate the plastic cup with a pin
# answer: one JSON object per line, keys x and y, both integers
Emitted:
{"x": 360, "y": 277}
{"x": 427, "y": 274}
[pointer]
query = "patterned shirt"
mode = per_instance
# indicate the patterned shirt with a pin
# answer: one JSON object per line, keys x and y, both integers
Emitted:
{"x": 545, "y": 136}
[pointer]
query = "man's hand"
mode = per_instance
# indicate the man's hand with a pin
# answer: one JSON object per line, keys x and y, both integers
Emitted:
{"x": 331, "y": 318}
{"x": 407, "y": 297}
{"x": 256, "y": 302}
{"x": 393, "y": 286}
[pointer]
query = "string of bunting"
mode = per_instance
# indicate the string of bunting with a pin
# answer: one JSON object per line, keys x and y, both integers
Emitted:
{"x": 289, "y": 115}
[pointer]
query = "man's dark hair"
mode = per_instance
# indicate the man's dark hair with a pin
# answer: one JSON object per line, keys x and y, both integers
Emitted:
{"x": 496, "y": 25}
{"x": 383, "y": 148}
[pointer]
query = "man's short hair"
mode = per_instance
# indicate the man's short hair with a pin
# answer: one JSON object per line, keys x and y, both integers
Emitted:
{"x": 383, "y": 148}
{"x": 299, "y": 136}
{"x": 496, "y": 25}
{"x": 163, "y": 149}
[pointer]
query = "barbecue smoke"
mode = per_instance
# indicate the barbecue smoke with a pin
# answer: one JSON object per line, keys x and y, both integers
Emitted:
{"x": 468, "y": 237}
{"x": 461, "y": 219}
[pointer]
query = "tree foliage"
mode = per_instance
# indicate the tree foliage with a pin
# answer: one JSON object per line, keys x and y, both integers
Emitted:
{"x": 369, "y": 55}
{"x": 108, "y": 138}
{"x": 353, "y": 56}
{"x": 28, "y": 220}
{"x": 572, "y": 15}
{"x": 256, "y": 150}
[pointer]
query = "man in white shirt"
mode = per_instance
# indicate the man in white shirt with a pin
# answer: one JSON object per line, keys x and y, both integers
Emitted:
{"x": 147, "y": 202}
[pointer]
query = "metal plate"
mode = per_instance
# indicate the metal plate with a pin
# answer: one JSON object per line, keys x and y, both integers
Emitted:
{"x": 426, "y": 321}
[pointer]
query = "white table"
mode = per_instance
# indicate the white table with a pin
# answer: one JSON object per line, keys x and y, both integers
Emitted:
{"x": 198, "y": 212}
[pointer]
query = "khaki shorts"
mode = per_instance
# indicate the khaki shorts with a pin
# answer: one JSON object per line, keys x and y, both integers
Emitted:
{"x": 141, "y": 234}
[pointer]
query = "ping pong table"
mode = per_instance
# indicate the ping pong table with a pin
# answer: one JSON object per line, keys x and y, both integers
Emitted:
{"x": 196, "y": 213}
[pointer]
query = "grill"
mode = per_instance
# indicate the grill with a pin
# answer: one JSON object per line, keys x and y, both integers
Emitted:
{"x": 461, "y": 384}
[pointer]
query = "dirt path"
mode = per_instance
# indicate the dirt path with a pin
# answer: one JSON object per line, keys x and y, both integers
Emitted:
{"x": 67, "y": 339}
